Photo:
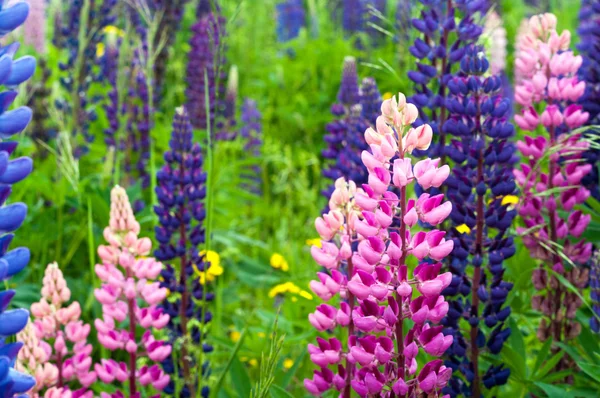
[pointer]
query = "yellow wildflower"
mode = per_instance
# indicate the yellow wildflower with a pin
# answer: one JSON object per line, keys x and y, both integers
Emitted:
{"x": 278, "y": 262}
{"x": 113, "y": 30}
{"x": 314, "y": 242}
{"x": 253, "y": 362}
{"x": 510, "y": 200}
{"x": 282, "y": 288}
{"x": 100, "y": 50}
{"x": 463, "y": 229}
{"x": 387, "y": 96}
{"x": 214, "y": 269}
{"x": 294, "y": 299}
{"x": 306, "y": 295}
{"x": 261, "y": 335}
{"x": 288, "y": 363}
{"x": 235, "y": 336}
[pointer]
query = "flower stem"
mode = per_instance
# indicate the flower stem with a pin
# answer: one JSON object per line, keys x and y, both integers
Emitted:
{"x": 184, "y": 294}
{"x": 349, "y": 366}
{"x": 132, "y": 355}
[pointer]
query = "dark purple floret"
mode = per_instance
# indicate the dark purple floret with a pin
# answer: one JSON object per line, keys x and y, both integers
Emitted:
{"x": 482, "y": 190}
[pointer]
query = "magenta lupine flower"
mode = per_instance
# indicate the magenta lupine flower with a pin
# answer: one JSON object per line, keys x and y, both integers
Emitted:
{"x": 365, "y": 255}
{"x": 550, "y": 178}
{"x": 130, "y": 298}
{"x": 62, "y": 356}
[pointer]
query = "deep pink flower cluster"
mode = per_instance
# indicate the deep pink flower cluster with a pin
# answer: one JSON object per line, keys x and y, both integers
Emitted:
{"x": 130, "y": 296}
{"x": 58, "y": 353}
{"x": 551, "y": 177}
{"x": 367, "y": 237}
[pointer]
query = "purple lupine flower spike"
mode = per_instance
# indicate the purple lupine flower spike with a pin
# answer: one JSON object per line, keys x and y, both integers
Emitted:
{"x": 589, "y": 46}
{"x": 251, "y": 132}
{"x": 438, "y": 58}
{"x": 291, "y": 17}
{"x": 483, "y": 192}
{"x": 205, "y": 58}
{"x": 370, "y": 100}
{"x": 14, "y": 121}
{"x": 344, "y": 138}
{"x": 181, "y": 191}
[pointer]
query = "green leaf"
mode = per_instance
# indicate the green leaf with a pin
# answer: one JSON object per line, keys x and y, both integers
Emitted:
{"x": 550, "y": 364}
{"x": 278, "y": 392}
{"x": 516, "y": 337}
{"x": 542, "y": 355}
{"x": 232, "y": 357}
{"x": 554, "y": 391}
{"x": 289, "y": 375}
{"x": 591, "y": 370}
{"x": 515, "y": 362}
{"x": 240, "y": 378}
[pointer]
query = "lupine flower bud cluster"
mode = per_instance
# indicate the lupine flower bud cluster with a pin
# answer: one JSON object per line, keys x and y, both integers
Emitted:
{"x": 130, "y": 298}
{"x": 226, "y": 124}
{"x": 403, "y": 19}
{"x": 344, "y": 138}
{"x": 290, "y": 19}
{"x": 358, "y": 15}
{"x": 12, "y": 73}
{"x": 205, "y": 68}
{"x": 62, "y": 337}
{"x": 589, "y": 46}
{"x": 181, "y": 191}
{"x": 370, "y": 100}
{"x": 365, "y": 257}
{"x": 445, "y": 29}
{"x": 482, "y": 190}
{"x": 79, "y": 70}
{"x": 128, "y": 113}
{"x": 551, "y": 176}
{"x": 251, "y": 132}
{"x": 171, "y": 13}
{"x": 33, "y": 359}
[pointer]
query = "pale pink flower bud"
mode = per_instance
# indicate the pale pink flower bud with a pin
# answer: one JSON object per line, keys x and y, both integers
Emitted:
{"x": 402, "y": 172}
{"x": 429, "y": 175}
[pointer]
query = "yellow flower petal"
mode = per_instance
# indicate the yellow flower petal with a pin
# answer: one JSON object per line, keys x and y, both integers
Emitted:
{"x": 113, "y": 30}
{"x": 235, "y": 336}
{"x": 288, "y": 363}
{"x": 306, "y": 295}
{"x": 463, "y": 229}
{"x": 279, "y": 262}
{"x": 100, "y": 50}
{"x": 510, "y": 200}
{"x": 253, "y": 362}
{"x": 387, "y": 96}
{"x": 214, "y": 269}
{"x": 314, "y": 242}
